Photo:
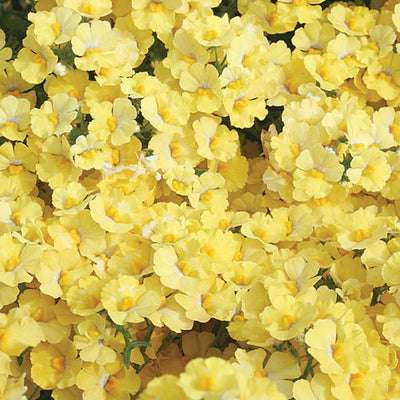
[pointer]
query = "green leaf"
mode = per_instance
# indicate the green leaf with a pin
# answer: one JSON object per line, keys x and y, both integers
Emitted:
{"x": 65, "y": 55}
{"x": 201, "y": 171}
{"x": 79, "y": 129}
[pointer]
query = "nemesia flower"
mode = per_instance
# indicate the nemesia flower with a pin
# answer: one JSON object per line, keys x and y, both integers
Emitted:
{"x": 54, "y": 117}
{"x": 109, "y": 381}
{"x": 56, "y": 26}
{"x": 34, "y": 62}
{"x": 205, "y": 377}
{"x": 90, "y": 341}
{"x": 89, "y": 8}
{"x": 202, "y": 88}
{"x": 128, "y": 301}
{"x": 5, "y": 52}
{"x": 11, "y": 324}
{"x": 177, "y": 185}
{"x": 156, "y": 15}
{"x": 116, "y": 121}
{"x": 212, "y": 31}
{"x": 166, "y": 111}
{"x": 215, "y": 140}
{"x": 93, "y": 45}
{"x": 14, "y": 117}
{"x": 55, "y": 365}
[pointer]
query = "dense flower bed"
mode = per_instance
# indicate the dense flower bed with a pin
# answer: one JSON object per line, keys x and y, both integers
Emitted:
{"x": 198, "y": 204}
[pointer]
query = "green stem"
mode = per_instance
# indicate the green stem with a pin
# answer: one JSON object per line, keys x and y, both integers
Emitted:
{"x": 34, "y": 393}
{"x": 150, "y": 330}
{"x": 221, "y": 329}
{"x": 168, "y": 339}
{"x": 308, "y": 368}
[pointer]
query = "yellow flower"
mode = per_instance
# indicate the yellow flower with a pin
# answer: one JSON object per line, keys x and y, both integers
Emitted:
{"x": 296, "y": 279}
{"x": 353, "y": 20}
{"x": 114, "y": 211}
{"x": 115, "y": 120}
{"x": 265, "y": 229}
{"x": 196, "y": 299}
{"x": 287, "y": 317}
{"x": 132, "y": 258}
{"x": 177, "y": 266}
{"x": 92, "y": 334}
{"x": 54, "y": 117}
{"x": 174, "y": 148}
{"x": 234, "y": 171}
{"x": 243, "y": 109}
{"x": 390, "y": 270}
{"x": 202, "y": 88}
{"x": 329, "y": 71}
{"x": 159, "y": 16}
{"x": 94, "y": 44}
{"x": 288, "y": 145}
{"x": 346, "y": 48}
{"x": 128, "y": 301}
{"x": 56, "y": 26}
{"x": 18, "y": 213}
{"x": 235, "y": 80}
{"x": 215, "y": 141}
{"x": 248, "y": 52}
{"x": 313, "y": 37}
{"x": 180, "y": 179}
{"x": 212, "y": 31}
{"x": 14, "y": 117}
{"x": 219, "y": 302}
{"x": 383, "y": 119}
{"x": 359, "y": 229}
{"x": 5, "y": 52}
{"x": 11, "y": 83}
{"x": 209, "y": 378}
{"x": 87, "y": 152}
{"x": 141, "y": 85}
{"x": 318, "y": 389}
{"x": 370, "y": 169}
{"x": 185, "y": 52}
{"x": 18, "y": 261}
{"x": 60, "y": 270}
{"x": 55, "y": 365}
{"x": 383, "y": 76}
{"x": 109, "y": 382}
{"x": 273, "y": 18}
{"x": 166, "y": 386}
{"x": 90, "y": 8}
{"x": 316, "y": 169}
{"x": 84, "y": 298}
{"x": 11, "y": 326}
{"x": 379, "y": 43}
{"x": 73, "y": 83}
{"x": 41, "y": 308}
{"x": 172, "y": 315}
{"x": 34, "y": 62}
{"x": 71, "y": 199}
{"x": 208, "y": 192}
{"x": 166, "y": 111}
{"x": 19, "y": 163}
{"x": 390, "y": 320}
{"x": 55, "y": 165}
{"x": 324, "y": 346}
{"x": 126, "y": 58}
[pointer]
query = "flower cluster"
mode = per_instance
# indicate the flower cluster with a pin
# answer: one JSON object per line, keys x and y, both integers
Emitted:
{"x": 152, "y": 250}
